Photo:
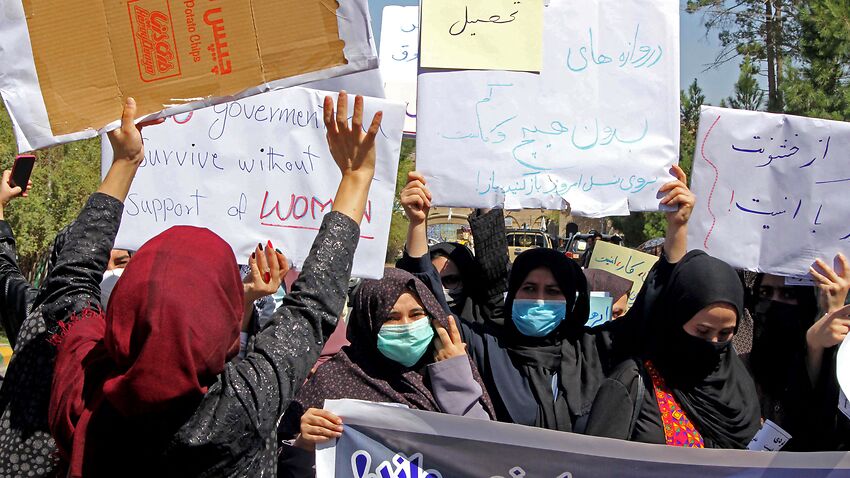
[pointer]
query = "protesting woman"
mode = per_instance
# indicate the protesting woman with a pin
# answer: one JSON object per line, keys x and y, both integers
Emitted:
{"x": 147, "y": 387}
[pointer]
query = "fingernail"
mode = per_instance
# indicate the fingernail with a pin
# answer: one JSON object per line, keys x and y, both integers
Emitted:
{"x": 260, "y": 246}
{"x": 130, "y": 101}
{"x": 278, "y": 251}
{"x": 267, "y": 277}
{"x": 270, "y": 244}
{"x": 253, "y": 255}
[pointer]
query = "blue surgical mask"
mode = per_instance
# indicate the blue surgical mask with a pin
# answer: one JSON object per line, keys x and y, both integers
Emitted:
{"x": 538, "y": 318}
{"x": 406, "y": 343}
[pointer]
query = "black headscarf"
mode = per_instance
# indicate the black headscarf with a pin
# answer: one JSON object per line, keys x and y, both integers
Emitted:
{"x": 708, "y": 379}
{"x": 568, "y": 351}
{"x": 467, "y": 305}
{"x": 360, "y": 371}
{"x": 779, "y": 336}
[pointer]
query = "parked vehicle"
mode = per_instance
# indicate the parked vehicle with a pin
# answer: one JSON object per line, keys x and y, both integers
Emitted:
{"x": 521, "y": 240}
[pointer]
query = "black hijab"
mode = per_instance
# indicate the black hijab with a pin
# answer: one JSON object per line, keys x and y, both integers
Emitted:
{"x": 779, "y": 337}
{"x": 568, "y": 351}
{"x": 709, "y": 380}
{"x": 470, "y": 305}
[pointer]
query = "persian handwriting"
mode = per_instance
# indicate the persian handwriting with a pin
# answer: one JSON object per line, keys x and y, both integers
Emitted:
{"x": 454, "y": 30}
{"x": 635, "y": 55}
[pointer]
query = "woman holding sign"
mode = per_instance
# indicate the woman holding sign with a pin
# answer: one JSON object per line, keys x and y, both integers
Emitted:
{"x": 404, "y": 349}
{"x": 148, "y": 386}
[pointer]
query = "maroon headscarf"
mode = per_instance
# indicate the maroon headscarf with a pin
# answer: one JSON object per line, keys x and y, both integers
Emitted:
{"x": 359, "y": 371}
{"x": 171, "y": 325}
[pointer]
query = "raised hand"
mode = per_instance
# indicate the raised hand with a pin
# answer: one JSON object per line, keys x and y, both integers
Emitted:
{"x": 126, "y": 141}
{"x": 830, "y": 330}
{"x": 352, "y": 149}
{"x": 7, "y": 192}
{"x": 833, "y": 283}
{"x": 416, "y": 198}
{"x": 268, "y": 268}
{"x": 678, "y": 194}
{"x": 354, "y": 154}
{"x": 448, "y": 343}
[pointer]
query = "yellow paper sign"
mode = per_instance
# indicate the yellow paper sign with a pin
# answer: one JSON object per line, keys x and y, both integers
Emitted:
{"x": 623, "y": 262}
{"x": 482, "y": 34}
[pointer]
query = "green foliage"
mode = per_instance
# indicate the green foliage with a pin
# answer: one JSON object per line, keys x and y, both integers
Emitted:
{"x": 689, "y": 111}
{"x": 63, "y": 178}
{"x": 398, "y": 224}
{"x": 820, "y": 85}
{"x": 748, "y": 93}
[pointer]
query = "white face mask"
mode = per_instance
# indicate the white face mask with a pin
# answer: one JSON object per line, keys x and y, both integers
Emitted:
{"x": 107, "y": 284}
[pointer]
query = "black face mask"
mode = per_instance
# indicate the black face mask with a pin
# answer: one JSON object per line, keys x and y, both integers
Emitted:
{"x": 779, "y": 340}
{"x": 685, "y": 360}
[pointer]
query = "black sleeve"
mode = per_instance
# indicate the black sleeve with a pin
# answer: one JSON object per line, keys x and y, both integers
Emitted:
{"x": 617, "y": 403}
{"x": 17, "y": 294}
{"x": 491, "y": 251}
{"x": 238, "y": 416}
{"x": 74, "y": 282}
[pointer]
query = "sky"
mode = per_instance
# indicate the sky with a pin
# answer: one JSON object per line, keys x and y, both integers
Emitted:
{"x": 697, "y": 50}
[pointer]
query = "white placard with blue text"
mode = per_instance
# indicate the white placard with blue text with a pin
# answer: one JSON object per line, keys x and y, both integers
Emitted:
{"x": 598, "y": 128}
{"x": 257, "y": 169}
{"x": 399, "y": 55}
{"x": 772, "y": 190}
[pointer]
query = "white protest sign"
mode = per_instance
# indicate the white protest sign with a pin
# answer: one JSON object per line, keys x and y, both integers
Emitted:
{"x": 399, "y": 55}
{"x": 597, "y": 128}
{"x": 842, "y": 366}
{"x": 772, "y": 190}
{"x": 257, "y": 169}
{"x": 771, "y": 437}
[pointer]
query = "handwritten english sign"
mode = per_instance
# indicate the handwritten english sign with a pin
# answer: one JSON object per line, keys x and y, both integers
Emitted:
{"x": 598, "y": 128}
{"x": 482, "y": 34}
{"x": 623, "y": 262}
{"x": 257, "y": 169}
{"x": 399, "y": 57}
{"x": 772, "y": 190}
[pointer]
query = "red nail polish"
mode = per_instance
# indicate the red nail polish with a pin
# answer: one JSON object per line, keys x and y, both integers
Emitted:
{"x": 267, "y": 277}
{"x": 270, "y": 245}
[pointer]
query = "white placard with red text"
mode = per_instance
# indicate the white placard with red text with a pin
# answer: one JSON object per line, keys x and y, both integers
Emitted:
{"x": 257, "y": 169}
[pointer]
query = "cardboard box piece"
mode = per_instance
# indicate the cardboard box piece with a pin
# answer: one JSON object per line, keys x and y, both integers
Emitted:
{"x": 89, "y": 54}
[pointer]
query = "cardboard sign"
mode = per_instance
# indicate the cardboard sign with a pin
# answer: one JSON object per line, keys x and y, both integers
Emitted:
{"x": 597, "y": 128}
{"x": 257, "y": 169}
{"x": 623, "y": 262}
{"x": 86, "y": 55}
{"x": 771, "y": 190}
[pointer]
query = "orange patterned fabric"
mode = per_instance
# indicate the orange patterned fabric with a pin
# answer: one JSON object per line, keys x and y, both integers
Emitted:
{"x": 678, "y": 429}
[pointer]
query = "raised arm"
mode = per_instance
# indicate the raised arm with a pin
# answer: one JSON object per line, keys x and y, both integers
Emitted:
{"x": 491, "y": 251}
{"x": 254, "y": 393}
{"x": 16, "y": 294}
{"x": 677, "y": 194}
{"x": 74, "y": 282}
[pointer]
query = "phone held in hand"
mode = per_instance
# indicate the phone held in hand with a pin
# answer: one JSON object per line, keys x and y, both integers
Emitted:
{"x": 21, "y": 171}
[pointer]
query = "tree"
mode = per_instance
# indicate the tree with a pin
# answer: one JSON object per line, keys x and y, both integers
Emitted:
{"x": 748, "y": 93}
{"x": 63, "y": 178}
{"x": 399, "y": 223}
{"x": 820, "y": 85}
{"x": 764, "y": 30}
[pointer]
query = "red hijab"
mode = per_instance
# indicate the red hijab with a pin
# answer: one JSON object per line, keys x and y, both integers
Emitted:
{"x": 171, "y": 325}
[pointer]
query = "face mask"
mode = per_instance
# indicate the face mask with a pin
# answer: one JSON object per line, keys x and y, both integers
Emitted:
{"x": 779, "y": 340}
{"x": 538, "y": 318}
{"x": 453, "y": 296}
{"x": 688, "y": 360}
{"x": 406, "y": 343}
{"x": 110, "y": 278}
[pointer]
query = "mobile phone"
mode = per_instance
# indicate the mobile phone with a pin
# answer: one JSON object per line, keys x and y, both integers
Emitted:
{"x": 21, "y": 171}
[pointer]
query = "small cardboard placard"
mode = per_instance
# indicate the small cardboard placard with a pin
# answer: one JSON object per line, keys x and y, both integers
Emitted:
{"x": 77, "y": 59}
